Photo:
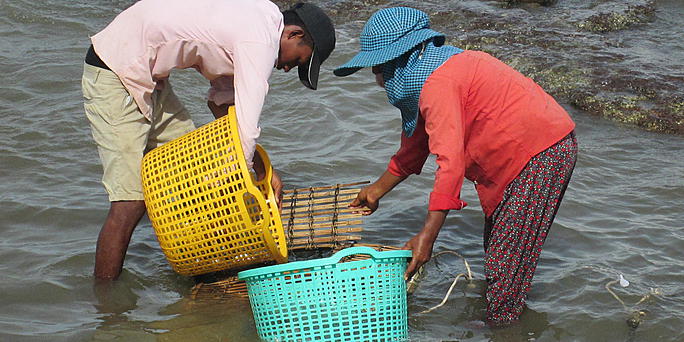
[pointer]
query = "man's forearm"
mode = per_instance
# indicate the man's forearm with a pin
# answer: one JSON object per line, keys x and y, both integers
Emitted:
{"x": 218, "y": 110}
{"x": 258, "y": 166}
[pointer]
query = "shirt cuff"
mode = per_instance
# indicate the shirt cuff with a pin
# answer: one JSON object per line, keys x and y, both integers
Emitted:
{"x": 445, "y": 202}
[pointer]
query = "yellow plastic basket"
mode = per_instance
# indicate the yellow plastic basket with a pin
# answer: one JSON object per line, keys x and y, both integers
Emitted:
{"x": 206, "y": 209}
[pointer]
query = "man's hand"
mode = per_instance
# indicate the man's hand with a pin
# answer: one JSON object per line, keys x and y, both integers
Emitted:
{"x": 276, "y": 182}
{"x": 277, "y": 185}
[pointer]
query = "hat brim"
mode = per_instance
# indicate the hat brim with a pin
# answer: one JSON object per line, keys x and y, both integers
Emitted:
{"x": 308, "y": 74}
{"x": 366, "y": 59}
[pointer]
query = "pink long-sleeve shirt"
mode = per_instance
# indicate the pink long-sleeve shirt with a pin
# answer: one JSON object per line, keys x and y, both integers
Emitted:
{"x": 484, "y": 121}
{"x": 232, "y": 43}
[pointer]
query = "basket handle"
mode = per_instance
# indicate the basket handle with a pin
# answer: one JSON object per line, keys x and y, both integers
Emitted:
{"x": 254, "y": 191}
{"x": 261, "y": 198}
{"x": 267, "y": 165}
{"x": 353, "y": 251}
{"x": 334, "y": 259}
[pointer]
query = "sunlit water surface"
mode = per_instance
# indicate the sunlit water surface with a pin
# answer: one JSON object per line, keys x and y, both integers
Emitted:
{"x": 622, "y": 213}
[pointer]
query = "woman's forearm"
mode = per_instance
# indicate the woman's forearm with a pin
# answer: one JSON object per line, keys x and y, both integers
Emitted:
{"x": 385, "y": 183}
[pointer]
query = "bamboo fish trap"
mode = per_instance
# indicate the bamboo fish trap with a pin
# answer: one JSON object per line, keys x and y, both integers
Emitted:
{"x": 320, "y": 217}
{"x": 316, "y": 221}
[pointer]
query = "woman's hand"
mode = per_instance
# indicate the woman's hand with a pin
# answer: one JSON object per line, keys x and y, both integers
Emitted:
{"x": 421, "y": 245}
{"x": 423, "y": 242}
{"x": 366, "y": 199}
{"x": 370, "y": 196}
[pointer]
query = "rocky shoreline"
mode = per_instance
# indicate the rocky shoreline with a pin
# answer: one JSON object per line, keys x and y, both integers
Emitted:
{"x": 579, "y": 51}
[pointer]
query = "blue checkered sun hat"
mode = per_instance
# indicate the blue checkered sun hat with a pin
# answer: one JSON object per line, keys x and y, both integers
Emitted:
{"x": 388, "y": 34}
{"x": 400, "y": 39}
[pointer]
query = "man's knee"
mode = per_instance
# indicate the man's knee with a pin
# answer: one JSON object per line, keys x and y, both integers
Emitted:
{"x": 127, "y": 212}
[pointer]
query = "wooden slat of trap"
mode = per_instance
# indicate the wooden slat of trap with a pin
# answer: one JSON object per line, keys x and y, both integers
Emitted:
{"x": 321, "y": 215}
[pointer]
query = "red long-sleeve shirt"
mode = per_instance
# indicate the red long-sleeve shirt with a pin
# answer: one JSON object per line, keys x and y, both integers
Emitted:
{"x": 484, "y": 121}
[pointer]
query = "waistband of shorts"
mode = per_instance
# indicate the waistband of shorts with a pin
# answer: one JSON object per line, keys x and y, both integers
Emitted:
{"x": 93, "y": 59}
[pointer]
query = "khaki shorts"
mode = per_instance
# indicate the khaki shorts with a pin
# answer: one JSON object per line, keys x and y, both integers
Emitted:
{"x": 122, "y": 134}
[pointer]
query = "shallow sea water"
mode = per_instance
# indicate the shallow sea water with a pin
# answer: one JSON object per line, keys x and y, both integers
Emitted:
{"x": 622, "y": 213}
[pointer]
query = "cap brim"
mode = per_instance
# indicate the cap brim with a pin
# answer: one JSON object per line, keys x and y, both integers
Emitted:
{"x": 308, "y": 74}
{"x": 365, "y": 59}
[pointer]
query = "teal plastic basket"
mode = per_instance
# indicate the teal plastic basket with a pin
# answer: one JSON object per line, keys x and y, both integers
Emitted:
{"x": 328, "y": 300}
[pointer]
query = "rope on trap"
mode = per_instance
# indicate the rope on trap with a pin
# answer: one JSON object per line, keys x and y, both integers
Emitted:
{"x": 320, "y": 217}
{"x": 335, "y": 216}
{"x": 636, "y": 315}
{"x": 416, "y": 278}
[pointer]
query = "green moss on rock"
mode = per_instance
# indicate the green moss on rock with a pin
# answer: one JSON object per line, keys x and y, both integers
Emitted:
{"x": 607, "y": 22}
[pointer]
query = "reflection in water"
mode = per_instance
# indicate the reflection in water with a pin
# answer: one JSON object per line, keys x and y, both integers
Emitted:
{"x": 114, "y": 300}
{"x": 465, "y": 312}
{"x": 115, "y": 297}
{"x": 229, "y": 320}
{"x": 183, "y": 320}
{"x": 532, "y": 325}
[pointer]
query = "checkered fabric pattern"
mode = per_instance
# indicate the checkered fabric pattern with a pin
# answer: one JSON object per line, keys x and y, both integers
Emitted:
{"x": 400, "y": 39}
{"x": 388, "y": 34}
{"x": 405, "y": 76}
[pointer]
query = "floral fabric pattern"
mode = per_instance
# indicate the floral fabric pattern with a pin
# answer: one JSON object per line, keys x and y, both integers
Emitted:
{"x": 516, "y": 231}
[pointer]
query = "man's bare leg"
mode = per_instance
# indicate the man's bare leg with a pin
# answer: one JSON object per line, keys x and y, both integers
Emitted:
{"x": 112, "y": 243}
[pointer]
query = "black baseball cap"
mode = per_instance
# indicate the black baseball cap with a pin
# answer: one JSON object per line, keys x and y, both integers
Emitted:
{"x": 322, "y": 32}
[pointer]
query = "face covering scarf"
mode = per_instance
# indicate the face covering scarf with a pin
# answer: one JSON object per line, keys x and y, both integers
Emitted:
{"x": 404, "y": 77}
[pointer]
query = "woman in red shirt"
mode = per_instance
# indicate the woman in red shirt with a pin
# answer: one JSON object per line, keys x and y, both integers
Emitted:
{"x": 485, "y": 122}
